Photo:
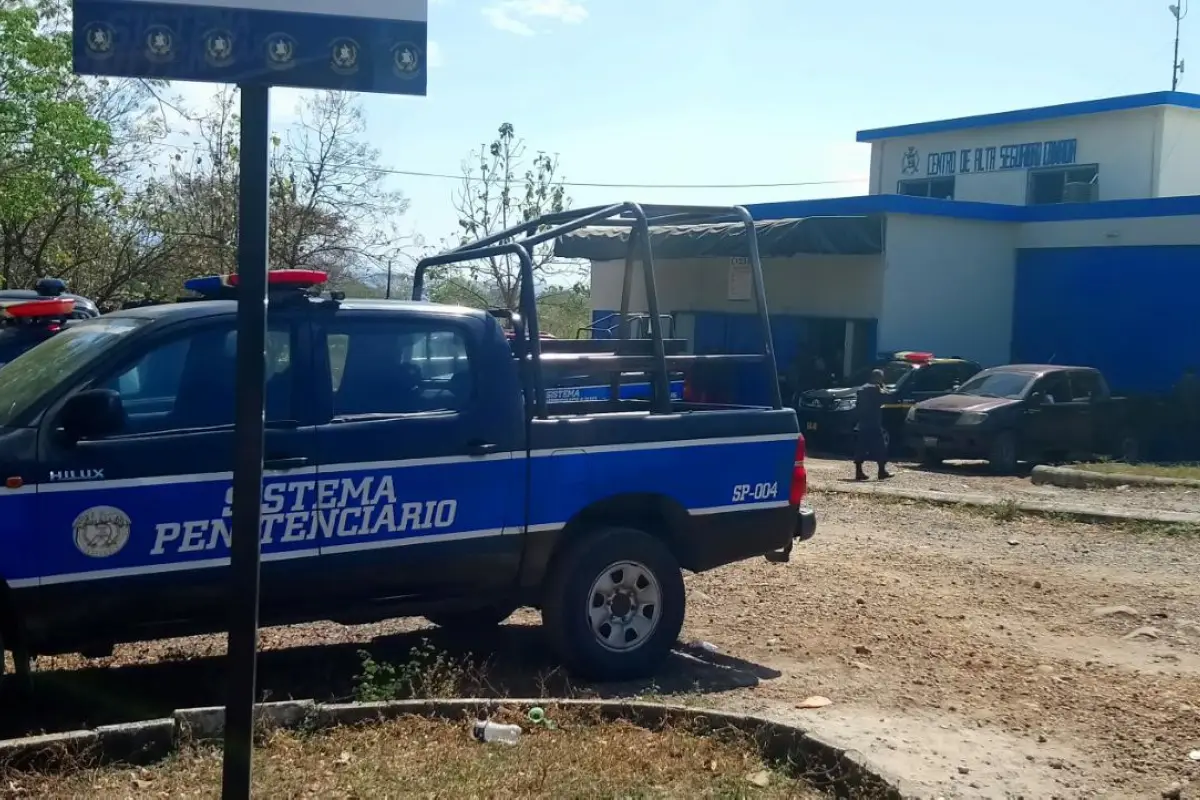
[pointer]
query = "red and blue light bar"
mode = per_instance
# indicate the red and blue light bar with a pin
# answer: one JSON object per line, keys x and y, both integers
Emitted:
{"x": 55, "y": 308}
{"x": 909, "y": 356}
{"x": 276, "y": 279}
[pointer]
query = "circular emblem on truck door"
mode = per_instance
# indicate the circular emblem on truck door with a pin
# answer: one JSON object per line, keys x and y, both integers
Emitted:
{"x": 101, "y": 531}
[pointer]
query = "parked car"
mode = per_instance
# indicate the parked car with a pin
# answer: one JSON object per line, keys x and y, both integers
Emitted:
{"x": 28, "y": 317}
{"x": 1023, "y": 412}
{"x": 827, "y": 416}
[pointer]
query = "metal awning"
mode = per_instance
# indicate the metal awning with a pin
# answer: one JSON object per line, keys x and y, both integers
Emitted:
{"x": 847, "y": 235}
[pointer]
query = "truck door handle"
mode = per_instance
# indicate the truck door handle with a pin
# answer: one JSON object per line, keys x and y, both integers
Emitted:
{"x": 480, "y": 448}
{"x": 286, "y": 463}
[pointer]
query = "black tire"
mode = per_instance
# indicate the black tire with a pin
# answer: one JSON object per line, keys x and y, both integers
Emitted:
{"x": 476, "y": 619}
{"x": 928, "y": 458}
{"x": 1002, "y": 455}
{"x": 569, "y": 598}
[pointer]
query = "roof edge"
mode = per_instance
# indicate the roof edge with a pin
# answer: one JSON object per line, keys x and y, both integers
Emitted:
{"x": 1040, "y": 114}
{"x": 1184, "y": 205}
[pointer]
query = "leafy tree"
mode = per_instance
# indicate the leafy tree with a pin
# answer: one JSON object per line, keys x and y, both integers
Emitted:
{"x": 503, "y": 187}
{"x": 564, "y": 311}
{"x": 50, "y": 145}
{"x": 330, "y": 207}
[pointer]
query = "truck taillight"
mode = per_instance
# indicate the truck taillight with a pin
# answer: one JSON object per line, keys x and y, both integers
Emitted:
{"x": 690, "y": 395}
{"x": 799, "y": 475}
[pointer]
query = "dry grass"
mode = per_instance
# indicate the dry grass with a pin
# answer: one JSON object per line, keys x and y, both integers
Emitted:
{"x": 1188, "y": 471}
{"x": 420, "y": 757}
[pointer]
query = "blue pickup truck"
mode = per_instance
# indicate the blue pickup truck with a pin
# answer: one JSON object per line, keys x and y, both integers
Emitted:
{"x": 415, "y": 465}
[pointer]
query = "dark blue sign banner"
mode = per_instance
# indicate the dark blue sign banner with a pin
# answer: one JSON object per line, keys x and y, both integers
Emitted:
{"x": 1030, "y": 155}
{"x": 349, "y": 45}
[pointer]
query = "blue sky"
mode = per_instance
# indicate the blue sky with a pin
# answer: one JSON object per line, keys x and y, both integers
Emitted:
{"x": 746, "y": 92}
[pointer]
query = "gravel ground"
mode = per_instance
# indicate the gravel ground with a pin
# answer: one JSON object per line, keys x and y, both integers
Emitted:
{"x": 974, "y": 658}
{"x": 966, "y": 656}
{"x": 972, "y": 477}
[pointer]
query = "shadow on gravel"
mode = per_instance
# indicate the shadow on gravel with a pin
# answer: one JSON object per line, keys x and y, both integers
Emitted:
{"x": 980, "y": 469}
{"x": 511, "y": 661}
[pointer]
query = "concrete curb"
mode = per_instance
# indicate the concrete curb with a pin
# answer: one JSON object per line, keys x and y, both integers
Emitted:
{"x": 1080, "y": 512}
{"x": 1086, "y": 479}
{"x": 825, "y": 763}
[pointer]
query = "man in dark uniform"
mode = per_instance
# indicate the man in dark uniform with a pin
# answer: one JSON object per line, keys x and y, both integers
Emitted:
{"x": 871, "y": 445}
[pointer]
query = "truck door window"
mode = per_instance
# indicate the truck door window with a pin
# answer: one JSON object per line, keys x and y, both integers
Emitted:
{"x": 1084, "y": 386}
{"x": 1055, "y": 388}
{"x": 382, "y": 368}
{"x": 189, "y": 382}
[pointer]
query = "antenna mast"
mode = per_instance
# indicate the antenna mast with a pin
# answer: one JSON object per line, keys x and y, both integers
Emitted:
{"x": 1179, "y": 11}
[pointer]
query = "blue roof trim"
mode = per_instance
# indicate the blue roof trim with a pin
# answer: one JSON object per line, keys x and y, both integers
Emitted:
{"x": 1125, "y": 103}
{"x": 1186, "y": 205}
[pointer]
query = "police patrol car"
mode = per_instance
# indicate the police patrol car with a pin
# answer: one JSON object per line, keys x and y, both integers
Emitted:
{"x": 828, "y": 416}
{"x": 28, "y": 318}
{"x": 409, "y": 470}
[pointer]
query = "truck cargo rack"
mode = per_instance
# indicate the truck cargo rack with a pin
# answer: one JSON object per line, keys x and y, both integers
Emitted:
{"x": 620, "y": 354}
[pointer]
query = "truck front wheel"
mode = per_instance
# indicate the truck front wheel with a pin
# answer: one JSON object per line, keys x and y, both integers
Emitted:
{"x": 1002, "y": 455}
{"x": 614, "y": 605}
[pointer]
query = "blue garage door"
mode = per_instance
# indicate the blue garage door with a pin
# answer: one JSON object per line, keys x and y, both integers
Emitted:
{"x": 1130, "y": 311}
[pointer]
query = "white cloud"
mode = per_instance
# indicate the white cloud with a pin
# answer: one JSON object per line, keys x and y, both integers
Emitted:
{"x": 519, "y": 16}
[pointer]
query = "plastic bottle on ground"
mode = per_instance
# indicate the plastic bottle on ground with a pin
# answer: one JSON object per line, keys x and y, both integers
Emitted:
{"x": 487, "y": 731}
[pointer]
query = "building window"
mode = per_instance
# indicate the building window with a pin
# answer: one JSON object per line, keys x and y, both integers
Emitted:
{"x": 937, "y": 188}
{"x": 1071, "y": 185}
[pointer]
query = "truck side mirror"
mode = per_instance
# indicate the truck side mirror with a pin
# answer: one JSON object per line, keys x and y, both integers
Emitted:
{"x": 92, "y": 414}
{"x": 1037, "y": 399}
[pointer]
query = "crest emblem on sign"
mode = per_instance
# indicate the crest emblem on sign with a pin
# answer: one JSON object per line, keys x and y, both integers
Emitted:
{"x": 101, "y": 531}
{"x": 281, "y": 51}
{"x": 343, "y": 57}
{"x": 910, "y": 162}
{"x": 160, "y": 43}
{"x": 407, "y": 59}
{"x": 218, "y": 48}
{"x": 98, "y": 38}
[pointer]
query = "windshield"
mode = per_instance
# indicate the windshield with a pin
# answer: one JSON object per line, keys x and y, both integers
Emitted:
{"x": 30, "y": 375}
{"x": 998, "y": 384}
{"x": 893, "y": 371}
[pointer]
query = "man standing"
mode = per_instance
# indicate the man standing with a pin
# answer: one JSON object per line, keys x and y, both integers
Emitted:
{"x": 871, "y": 445}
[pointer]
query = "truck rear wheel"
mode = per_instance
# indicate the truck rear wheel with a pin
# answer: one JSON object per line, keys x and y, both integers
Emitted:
{"x": 614, "y": 605}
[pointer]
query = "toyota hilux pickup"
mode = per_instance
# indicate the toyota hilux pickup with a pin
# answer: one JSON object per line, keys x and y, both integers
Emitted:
{"x": 415, "y": 464}
{"x": 1024, "y": 412}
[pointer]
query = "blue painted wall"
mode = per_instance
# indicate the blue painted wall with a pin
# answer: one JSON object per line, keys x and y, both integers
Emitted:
{"x": 1133, "y": 312}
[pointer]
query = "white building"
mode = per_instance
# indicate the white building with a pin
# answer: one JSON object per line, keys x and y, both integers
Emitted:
{"x": 1068, "y": 233}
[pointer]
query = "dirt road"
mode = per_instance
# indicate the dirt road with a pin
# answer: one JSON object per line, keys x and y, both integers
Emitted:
{"x": 974, "y": 658}
{"x": 966, "y": 656}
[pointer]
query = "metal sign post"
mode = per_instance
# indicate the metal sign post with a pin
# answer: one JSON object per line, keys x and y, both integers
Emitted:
{"x": 350, "y": 45}
{"x": 249, "y": 415}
